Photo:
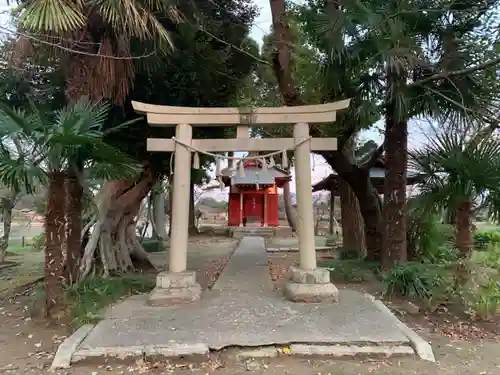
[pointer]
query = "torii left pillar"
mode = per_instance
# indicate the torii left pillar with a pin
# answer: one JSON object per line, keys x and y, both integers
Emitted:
{"x": 178, "y": 285}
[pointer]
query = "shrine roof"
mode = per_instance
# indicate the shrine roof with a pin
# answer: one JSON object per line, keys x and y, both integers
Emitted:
{"x": 255, "y": 176}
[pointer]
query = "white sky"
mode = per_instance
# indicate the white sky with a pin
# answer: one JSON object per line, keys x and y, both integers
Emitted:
{"x": 261, "y": 28}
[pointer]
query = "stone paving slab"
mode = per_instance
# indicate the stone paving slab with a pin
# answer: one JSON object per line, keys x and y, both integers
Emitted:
{"x": 248, "y": 269}
{"x": 241, "y": 311}
{"x": 236, "y": 319}
{"x": 295, "y": 249}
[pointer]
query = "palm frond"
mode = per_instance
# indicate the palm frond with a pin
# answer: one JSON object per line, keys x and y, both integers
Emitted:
{"x": 457, "y": 169}
{"x": 52, "y": 16}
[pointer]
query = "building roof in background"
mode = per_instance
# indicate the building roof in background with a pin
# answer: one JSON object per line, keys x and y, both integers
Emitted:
{"x": 255, "y": 176}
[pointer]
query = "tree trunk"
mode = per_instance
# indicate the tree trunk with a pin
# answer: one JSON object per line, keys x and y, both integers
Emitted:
{"x": 368, "y": 200}
{"x": 353, "y": 236}
{"x": 159, "y": 216}
{"x": 317, "y": 221}
{"x": 74, "y": 210}
{"x": 352, "y": 221}
{"x": 464, "y": 240}
{"x": 290, "y": 215}
{"x": 7, "y": 207}
{"x": 54, "y": 241}
{"x": 356, "y": 177}
{"x": 396, "y": 154}
{"x": 331, "y": 216}
{"x": 170, "y": 197}
{"x": 450, "y": 216}
{"x": 114, "y": 234}
{"x": 192, "y": 230}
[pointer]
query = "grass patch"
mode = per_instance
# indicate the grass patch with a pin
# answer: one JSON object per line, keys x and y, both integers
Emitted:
{"x": 86, "y": 300}
{"x": 16, "y": 246}
{"x": 351, "y": 270}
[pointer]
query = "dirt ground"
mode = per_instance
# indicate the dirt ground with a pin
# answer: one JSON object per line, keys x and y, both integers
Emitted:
{"x": 206, "y": 255}
{"x": 27, "y": 346}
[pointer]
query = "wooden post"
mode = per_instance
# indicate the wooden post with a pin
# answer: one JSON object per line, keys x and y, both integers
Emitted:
{"x": 303, "y": 184}
{"x": 241, "y": 208}
{"x": 265, "y": 208}
{"x": 180, "y": 201}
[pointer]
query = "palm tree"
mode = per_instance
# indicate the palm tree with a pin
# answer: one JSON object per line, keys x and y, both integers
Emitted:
{"x": 59, "y": 140}
{"x": 17, "y": 175}
{"x": 94, "y": 40}
{"x": 460, "y": 173}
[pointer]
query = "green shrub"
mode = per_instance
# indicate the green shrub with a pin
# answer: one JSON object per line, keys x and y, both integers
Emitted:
{"x": 490, "y": 257}
{"x": 428, "y": 239}
{"x": 349, "y": 254}
{"x": 38, "y": 242}
{"x": 482, "y": 239}
{"x": 152, "y": 245}
{"x": 440, "y": 254}
{"x": 484, "y": 302}
{"x": 417, "y": 280}
{"x": 351, "y": 271}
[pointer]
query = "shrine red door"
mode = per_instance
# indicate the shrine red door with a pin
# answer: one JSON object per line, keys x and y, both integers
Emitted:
{"x": 253, "y": 208}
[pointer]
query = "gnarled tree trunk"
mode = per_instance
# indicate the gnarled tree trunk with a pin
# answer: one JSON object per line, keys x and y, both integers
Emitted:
{"x": 159, "y": 216}
{"x": 353, "y": 236}
{"x": 114, "y": 234}
{"x": 357, "y": 178}
{"x": 192, "y": 228}
{"x": 8, "y": 203}
{"x": 74, "y": 210}
{"x": 54, "y": 242}
{"x": 331, "y": 214}
{"x": 290, "y": 215}
{"x": 368, "y": 200}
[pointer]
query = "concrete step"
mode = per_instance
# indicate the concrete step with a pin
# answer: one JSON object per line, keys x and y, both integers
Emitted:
{"x": 240, "y": 232}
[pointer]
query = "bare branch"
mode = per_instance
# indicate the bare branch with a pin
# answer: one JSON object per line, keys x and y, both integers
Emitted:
{"x": 461, "y": 72}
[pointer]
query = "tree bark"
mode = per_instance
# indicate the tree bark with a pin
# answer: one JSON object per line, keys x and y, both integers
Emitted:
{"x": 7, "y": 207}
{"x": 464, "y": 239}
{"x": 192, "y": 229}
{"x": 353, "y": 237}
{"x": 54, "y": 241}
{"x": 290, "y": 215}
{"x": 159, "y": 216}
{"x": 114, "y": 234}
{"x": 368, "y": 200}
{"x": 170, "y": 198}
{"x": 74, "y": 210}
{"x": 394, "y": 211}
{"x": 331, "y": 215}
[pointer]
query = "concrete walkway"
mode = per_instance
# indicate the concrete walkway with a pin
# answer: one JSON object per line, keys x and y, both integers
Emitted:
{"x": 242, "y": 310}
{"x": 247, "y": 270}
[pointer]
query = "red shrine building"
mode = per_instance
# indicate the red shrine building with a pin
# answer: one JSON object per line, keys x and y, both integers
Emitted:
{"x": 253, "y": 195}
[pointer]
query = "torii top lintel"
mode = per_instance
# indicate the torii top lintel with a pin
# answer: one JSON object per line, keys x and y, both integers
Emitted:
{"x": 159, "y": 115}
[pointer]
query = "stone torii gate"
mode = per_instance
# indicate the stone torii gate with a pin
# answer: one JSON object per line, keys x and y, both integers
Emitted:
{"x": 308, "y": 283}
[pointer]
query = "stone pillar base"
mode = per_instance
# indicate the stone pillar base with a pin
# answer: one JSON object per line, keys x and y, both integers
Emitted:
{"x": 311, "y": 286}
{"x": 175, "y": 288}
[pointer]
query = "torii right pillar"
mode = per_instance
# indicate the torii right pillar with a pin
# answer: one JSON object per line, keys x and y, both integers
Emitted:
{"x": 308, "y": 284}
